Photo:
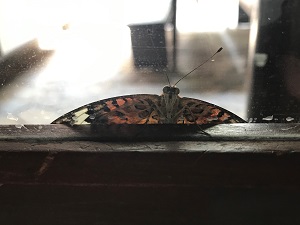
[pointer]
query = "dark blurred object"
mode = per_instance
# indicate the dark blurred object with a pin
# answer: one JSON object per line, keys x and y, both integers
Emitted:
{"x": 149, "y": 42}
{"x": 275, "y": 94}
{"x": 243, "y": 16}
{"x": 149, "y": 45}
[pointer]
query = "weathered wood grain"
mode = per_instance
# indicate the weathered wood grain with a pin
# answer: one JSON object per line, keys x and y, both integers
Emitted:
{"x": 242, "y": 174}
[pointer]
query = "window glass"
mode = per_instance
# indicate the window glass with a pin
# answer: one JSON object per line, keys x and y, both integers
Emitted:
{"x": 59, "y": 55}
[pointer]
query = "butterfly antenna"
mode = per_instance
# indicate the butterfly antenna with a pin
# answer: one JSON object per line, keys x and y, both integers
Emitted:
{"x": 220, "y": 49}
{"x": 168, "y": 79}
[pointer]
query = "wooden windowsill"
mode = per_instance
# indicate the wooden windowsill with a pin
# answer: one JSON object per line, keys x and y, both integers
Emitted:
{"x": 54, "y": 174}
{"x": 133, "y": 133}
{"x": 63, "y": 155}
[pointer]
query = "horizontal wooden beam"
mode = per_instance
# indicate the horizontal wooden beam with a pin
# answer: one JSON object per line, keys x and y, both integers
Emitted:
{"x": 171, "y": 174}
{"x": 165, "y": 132}
{"x": 235, "y": 155}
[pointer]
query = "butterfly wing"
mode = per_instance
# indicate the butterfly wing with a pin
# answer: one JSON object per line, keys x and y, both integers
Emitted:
{"x": 143, "y": 109}
{"x": 199, "y": 112}
{"x": 130, "y": 109}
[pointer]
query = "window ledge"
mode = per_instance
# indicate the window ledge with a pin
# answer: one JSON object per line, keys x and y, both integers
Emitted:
{"x": 54, "y": 174}
{"x": 236, "y": 155}
{"x": 166, "y": 132}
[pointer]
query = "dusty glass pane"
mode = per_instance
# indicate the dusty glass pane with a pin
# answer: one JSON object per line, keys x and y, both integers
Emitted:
{"x": 274, "y": 52}
{"x": 70, "y": 53}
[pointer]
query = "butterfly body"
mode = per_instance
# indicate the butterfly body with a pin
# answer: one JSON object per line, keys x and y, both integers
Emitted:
{"x": 168, "y": 108}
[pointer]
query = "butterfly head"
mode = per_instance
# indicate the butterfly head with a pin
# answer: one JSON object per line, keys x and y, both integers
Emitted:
{"x": 169, "y": 90}
{"x": 170, "y": 100}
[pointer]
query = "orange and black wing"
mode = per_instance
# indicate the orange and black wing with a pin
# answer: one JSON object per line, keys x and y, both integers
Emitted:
{"x": 199, "y": 112}
{"x": 130, "y": 109}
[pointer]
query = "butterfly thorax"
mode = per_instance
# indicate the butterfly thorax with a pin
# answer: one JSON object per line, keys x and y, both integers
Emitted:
{"x": 169, "y": 104}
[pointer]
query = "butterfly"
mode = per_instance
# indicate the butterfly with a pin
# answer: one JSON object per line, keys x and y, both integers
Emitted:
{"x": 168, "y": 108}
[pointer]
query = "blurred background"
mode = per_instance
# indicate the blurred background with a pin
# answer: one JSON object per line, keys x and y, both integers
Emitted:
{"x": 59, "y": 55}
